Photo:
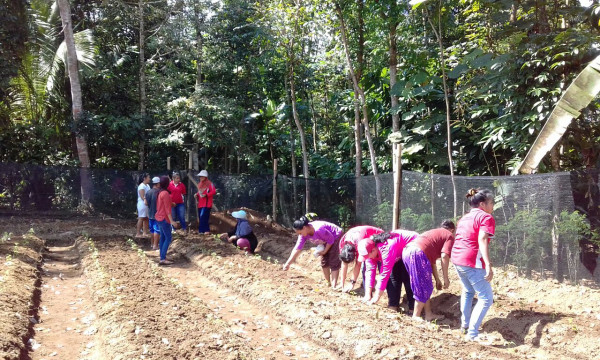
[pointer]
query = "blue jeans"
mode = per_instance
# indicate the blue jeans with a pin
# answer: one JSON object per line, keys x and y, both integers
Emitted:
{"x": 203, "y": 217}
{"x": 165, "y": 238}
{"x": 178, "y": 214}
{"x": 473, "y": 281}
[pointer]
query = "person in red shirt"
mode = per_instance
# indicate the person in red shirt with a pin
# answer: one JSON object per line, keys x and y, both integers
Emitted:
{"x": 420, "y": 257}
{"x": 164, "y": 219}
{"x": 348, "y": 251}
{"x": 471, "y": 259}
{"x": 178, "y": 191}
{"x": 204, "y": 196}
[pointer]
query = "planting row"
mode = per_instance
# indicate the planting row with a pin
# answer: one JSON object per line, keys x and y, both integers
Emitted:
{"x": 143, "y": 314}
{"x": 20, "y": 259}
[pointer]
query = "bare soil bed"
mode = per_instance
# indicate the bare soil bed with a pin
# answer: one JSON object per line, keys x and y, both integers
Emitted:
{"x": 20, "y": 259}
{"x": 217, "y": 303}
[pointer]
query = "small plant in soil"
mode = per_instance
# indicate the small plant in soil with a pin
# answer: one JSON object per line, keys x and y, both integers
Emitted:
{"x": 5, "y": 237}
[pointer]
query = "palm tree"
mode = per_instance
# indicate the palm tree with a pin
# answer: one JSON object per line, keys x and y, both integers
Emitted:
{"x": 73, "y": 70}
{"x": 45, "y": 61}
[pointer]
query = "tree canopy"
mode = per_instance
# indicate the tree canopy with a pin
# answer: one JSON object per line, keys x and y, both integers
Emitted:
{"x": 243, "y": 83}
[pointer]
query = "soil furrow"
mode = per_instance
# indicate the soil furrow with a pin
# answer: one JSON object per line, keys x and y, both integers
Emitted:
{"x": 339, "y": 322}
{"x": 260, "y": 330}
{"x": 67, "y": 328}
{"x": 145, "y": 315}
{"x": 20, "y": 260}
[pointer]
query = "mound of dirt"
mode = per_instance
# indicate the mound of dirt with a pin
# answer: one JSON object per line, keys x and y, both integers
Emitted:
{"x": 19, "y": 292}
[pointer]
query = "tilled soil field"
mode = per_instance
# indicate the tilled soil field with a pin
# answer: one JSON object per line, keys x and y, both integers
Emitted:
{"x": 215, "y": 302}
{"x": 20, "y": 259}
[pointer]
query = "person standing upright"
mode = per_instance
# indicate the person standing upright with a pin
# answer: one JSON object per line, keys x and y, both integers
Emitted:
{"x": 204, "y": 196}
{"x": 178, "y": 191}
{"x": 151, "y": 200}
{"x": 142, "y": 206}
{"x": 164, "y": 219}
{"x": 471, "y": 258}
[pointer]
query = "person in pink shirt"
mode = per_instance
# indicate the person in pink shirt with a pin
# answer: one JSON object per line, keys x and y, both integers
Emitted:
{"x": 471, "y": 259}
{"x": 420, "y": 258}
{"x": 324, "y": 234}
{"x": 387, "y": 248}
{"x": 178, "y": 191}
{"x": 348, "y": 245}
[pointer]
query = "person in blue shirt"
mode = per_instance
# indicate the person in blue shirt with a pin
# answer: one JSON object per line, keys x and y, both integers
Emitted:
{"x": 241, "y": 231}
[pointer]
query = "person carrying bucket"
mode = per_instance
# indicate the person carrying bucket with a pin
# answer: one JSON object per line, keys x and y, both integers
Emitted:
{"x": 242, "y": 234}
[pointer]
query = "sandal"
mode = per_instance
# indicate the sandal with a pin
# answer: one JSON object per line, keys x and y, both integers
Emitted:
{"x": 165, "y": 262}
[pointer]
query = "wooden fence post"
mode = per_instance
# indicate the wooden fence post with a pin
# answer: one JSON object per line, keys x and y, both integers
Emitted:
{"x": 395, "y": 138}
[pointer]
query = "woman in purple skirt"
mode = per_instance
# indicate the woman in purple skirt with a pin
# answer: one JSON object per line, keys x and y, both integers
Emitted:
{"x": 420, "y": 257}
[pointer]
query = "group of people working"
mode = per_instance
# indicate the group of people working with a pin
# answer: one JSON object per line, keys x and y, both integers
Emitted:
{"x": 406, "y": 258}
{"x": 162, "y": 207}
{"x": 403, "y": 258}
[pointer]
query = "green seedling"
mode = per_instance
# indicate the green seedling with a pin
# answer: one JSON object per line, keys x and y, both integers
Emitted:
{"x": 5, "y": 237}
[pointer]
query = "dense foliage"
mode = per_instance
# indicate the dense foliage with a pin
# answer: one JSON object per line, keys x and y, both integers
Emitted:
{"x": 218, "y": 79}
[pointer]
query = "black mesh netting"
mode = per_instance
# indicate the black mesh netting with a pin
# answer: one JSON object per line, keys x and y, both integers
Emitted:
{"x": 547, "y": 224}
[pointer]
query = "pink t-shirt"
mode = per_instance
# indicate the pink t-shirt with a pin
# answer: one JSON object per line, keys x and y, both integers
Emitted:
{"x": 465, "y": 251}
{"x": 390, "y": 252}
{"x": 325, "y": 233}
{"x": 357, "y": 233}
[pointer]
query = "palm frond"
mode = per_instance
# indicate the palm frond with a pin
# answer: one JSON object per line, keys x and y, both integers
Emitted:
{"x": 86, "y": 55}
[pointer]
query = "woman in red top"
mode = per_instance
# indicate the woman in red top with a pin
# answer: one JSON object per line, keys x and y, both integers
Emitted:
{"x": 348, "y": 244}
{"x": 178, "y": 190}
{"x": 471, "y": 258}
{"x": 420, "y": 258}
{"x": 164, "y": 219}
{"x": 206, "y": 191}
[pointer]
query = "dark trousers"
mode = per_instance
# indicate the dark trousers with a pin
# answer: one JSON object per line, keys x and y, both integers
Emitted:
{"x": 203, "y": 217}
{"x": 398, "y": 277}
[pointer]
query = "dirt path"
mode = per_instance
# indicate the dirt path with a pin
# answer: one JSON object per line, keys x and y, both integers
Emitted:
{"x": 259, "y": 328}
{"x": 66, "y": 328}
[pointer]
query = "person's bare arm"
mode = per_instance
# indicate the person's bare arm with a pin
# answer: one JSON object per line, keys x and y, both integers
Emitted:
{"x": 436, "y": 275}
{"x": 485, "y": 254}
{"x": 445, "y": 265}
{"x": 291, "y": 259}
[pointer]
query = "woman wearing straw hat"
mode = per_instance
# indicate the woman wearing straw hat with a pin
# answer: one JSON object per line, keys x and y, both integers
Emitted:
{"x": 204, "y": 196}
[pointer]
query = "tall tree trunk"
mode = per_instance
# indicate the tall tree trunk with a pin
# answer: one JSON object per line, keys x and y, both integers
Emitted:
{"x": 314, "y": 118}
{"x": 142, "y": 80}
{"x": 77, "y": 107}
{"x": 358, "y": 150}
{"x": 199, "y": 43}
{"x": 292, "y": 149}
{"x": 300, "y": 129}
{"x": 292, "y": 138}
{"x": 438, "y": 35}
{"x": 542, "y": 17}
{"x": 513, "y": 11}
{"x": 393, "y": 23}
{"x": 365, "y": 110}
